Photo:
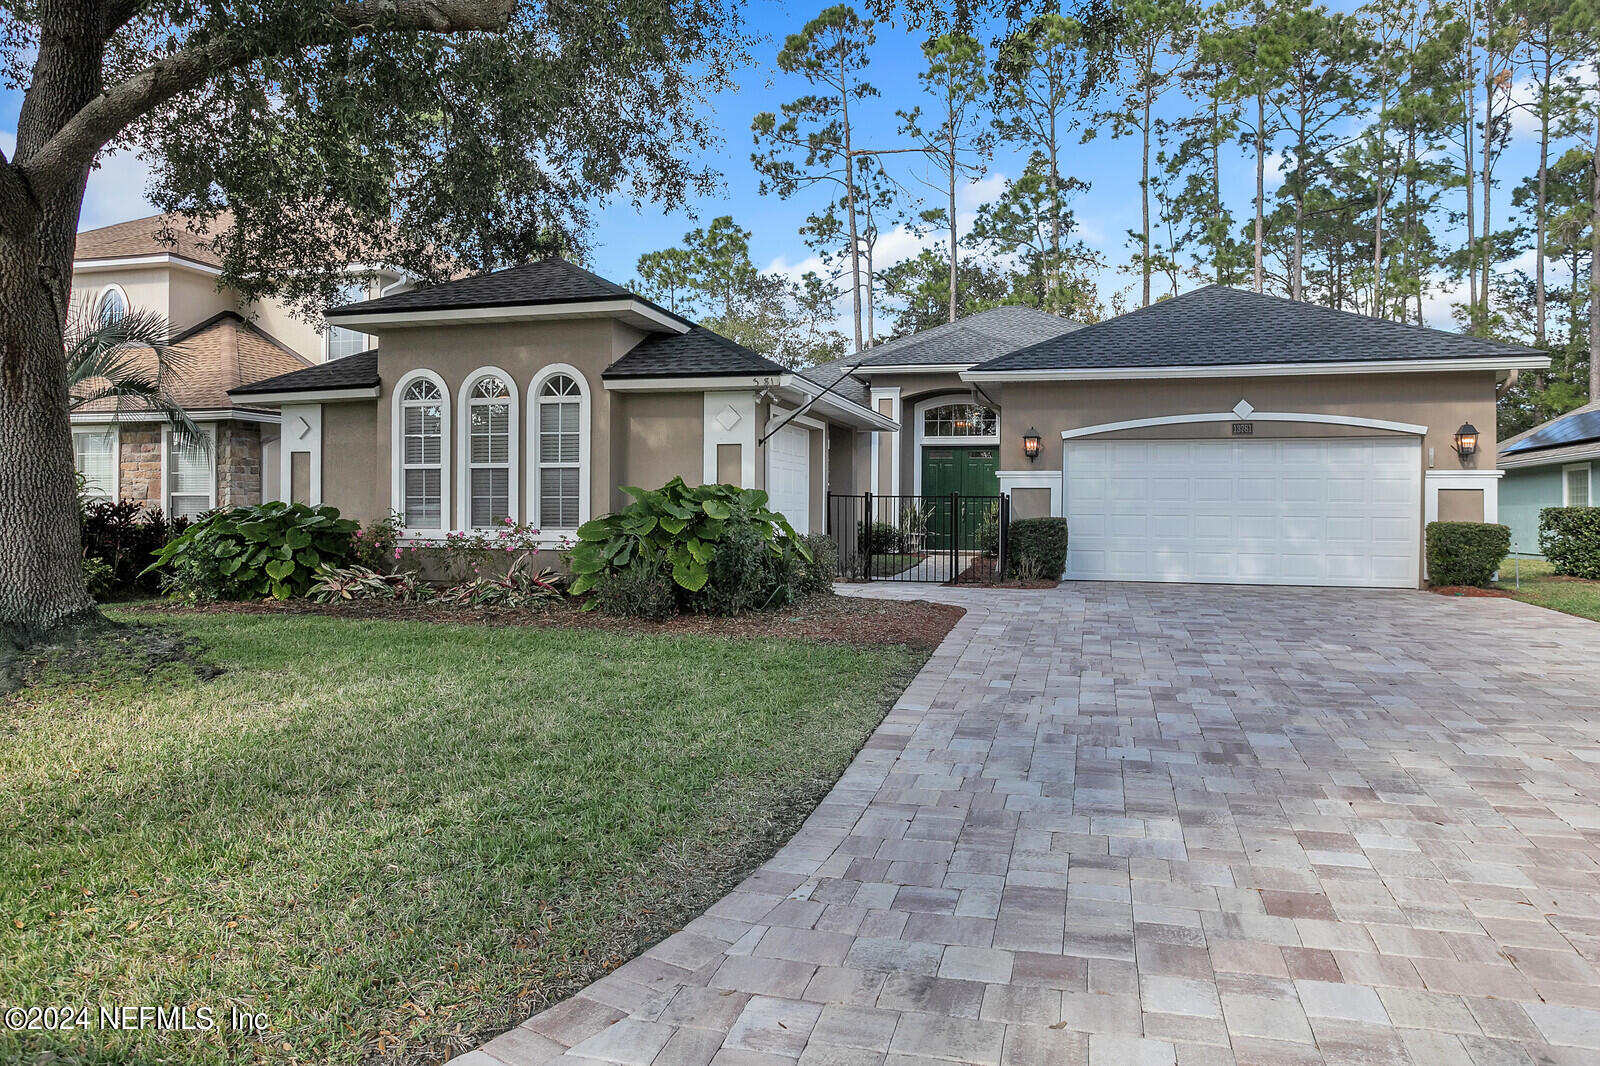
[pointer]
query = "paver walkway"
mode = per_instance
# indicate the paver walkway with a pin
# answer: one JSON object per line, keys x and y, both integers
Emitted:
{"x": 1131, "y": 824}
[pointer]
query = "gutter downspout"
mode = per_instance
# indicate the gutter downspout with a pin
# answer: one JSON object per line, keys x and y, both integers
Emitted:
{"x": 1505, "y": 386}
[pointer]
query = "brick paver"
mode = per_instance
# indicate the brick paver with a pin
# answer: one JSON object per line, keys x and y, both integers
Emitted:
{"x": 1170, "y": 824}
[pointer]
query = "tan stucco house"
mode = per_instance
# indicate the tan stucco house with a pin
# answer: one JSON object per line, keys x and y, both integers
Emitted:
{"x": 1220, "y": 436}
{"x": 166, "y": 265}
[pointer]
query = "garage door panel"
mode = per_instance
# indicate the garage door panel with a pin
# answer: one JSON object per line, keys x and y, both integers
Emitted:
{"x": 1337, "y": 511}
{"x": 789, "y": 476}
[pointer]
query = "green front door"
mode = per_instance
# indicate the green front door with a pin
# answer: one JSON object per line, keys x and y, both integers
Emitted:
{"x": 964, "y": 472}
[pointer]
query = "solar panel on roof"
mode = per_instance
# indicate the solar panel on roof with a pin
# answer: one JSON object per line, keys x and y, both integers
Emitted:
{"x": 1571, "y": 429}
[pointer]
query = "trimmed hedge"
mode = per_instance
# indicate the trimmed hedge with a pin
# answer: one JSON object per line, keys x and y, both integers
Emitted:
{"x": 1570, "y": 538}
{"x": 1044, "y": 540}
{"x": 1465, "y": 553}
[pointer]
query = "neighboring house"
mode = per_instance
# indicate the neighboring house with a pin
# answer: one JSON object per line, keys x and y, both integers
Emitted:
{"x": 156, "y": 264}
{"x": 1218, "y": 436}
{"x": 1548, "y": 466}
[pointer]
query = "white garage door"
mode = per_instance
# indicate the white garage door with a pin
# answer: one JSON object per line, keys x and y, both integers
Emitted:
{"x": 789, "y": 476}
{"x": 1260, "y": 512}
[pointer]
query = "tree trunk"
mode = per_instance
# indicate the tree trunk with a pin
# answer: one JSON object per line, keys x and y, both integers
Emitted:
{"x": 1216, "y": 184}
{"x": 1594, "y": 258}
{"x": 850, "y": 201}
{"x": 1144, "y": 197}
{"x": 953, "y": 253}
{"x": 41, "y": 572}
{"x": 1261, "y": 179}
{"x": 1541, "y": 208}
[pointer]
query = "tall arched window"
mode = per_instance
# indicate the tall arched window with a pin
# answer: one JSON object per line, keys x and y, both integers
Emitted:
{"x": 113, "y": 305}
{"x": 490, "y": 454}
{"x": 560, "y": 444}
{"x": 423, "y": 426}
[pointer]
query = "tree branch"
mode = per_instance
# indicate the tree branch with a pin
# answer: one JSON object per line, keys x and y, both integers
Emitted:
{"x": 96, "y": 123}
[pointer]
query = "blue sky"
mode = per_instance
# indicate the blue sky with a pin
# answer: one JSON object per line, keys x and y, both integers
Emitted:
{"x": 1105, "y": 213}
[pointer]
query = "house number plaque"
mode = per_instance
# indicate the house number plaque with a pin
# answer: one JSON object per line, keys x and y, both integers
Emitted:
{"x": 1244, "y": 429}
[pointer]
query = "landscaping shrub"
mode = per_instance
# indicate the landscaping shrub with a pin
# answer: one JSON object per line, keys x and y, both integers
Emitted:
{"x": 1042, "y": 541}
{"x": 683, "y": 529}
{"x": 644, "y": 589}
{"x": 1465, "y": 553}
{"x": 125, "y": 535}
{"x": 1569, "y": 537}
{"x": 883, "y": 539}
{"x": 247, "y": 553}
{"x": 351, "y": 583}
{"x": 377, "y": 547}
{"x": 819, "y": 572}
{"x": 519, "y": 586}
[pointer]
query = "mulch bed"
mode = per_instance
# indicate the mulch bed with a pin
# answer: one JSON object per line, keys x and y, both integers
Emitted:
{"x": 1471, "y": 591}
{"x": 835, "y": 619}
{"x": 981, "y": 572}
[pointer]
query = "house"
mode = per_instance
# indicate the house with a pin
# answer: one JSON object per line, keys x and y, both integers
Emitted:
{"x": 163, "y": 265}
{"x": 1548, "y": 466}
{"x": 1220, "y": 436}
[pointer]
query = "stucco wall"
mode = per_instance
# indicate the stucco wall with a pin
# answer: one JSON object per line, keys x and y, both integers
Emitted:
{"x": 660, "y": 437}
{"x": 1440, "y": 401}
{"x": 1524, "y": 492}
{"x": 352, "y": 478}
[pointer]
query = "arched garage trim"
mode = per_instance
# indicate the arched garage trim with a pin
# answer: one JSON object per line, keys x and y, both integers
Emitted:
{"x": 1247, "y": 416}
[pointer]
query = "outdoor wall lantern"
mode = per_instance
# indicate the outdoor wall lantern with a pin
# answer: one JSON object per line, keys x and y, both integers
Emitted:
{"x": 1466, "y": 440}
{"x": 1030, "y": 444}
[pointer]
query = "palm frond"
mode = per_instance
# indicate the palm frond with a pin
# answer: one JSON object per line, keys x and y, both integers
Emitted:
{"x": 130, "y": 360}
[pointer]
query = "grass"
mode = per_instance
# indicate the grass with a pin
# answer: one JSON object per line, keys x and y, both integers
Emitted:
{"x": 395, "y": 838}
{"x": 1542, "y": 586}
{"x": 892, "y": 563}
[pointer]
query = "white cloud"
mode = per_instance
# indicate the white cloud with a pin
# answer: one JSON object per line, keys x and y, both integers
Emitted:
{"x": 116, "y": 191}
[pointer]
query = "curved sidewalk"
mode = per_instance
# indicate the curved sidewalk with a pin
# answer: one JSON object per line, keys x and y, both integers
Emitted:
{"x": 1167, "y": 824}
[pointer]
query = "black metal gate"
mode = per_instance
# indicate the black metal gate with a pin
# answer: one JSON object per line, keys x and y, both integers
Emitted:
{"x": 945, "y": 539}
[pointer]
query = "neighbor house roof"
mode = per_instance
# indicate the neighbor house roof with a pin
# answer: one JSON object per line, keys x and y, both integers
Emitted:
{"x": 359, "y": 371}
{"x": 222, "y": 353}
{"x": 1224, "y": 327}
{"x": 166, "y": 234}
{"x": 697, "y": 353}
{"x": 547, "y": 281}
{"x": 1574, "y": 435}
{"x": 974, "y": 339}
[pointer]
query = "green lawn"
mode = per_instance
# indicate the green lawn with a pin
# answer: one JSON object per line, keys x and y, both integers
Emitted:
{"x": 393, "y": 837}
{"x": 1543, "y": 587}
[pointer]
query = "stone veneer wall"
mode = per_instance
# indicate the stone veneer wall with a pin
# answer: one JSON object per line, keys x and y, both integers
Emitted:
{"x": 238, "y": 464}
{"x": 139, "y": 465}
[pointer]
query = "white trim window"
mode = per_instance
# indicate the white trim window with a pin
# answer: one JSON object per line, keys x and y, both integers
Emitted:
{"x": 560, "y": 442}
{"x": 960, "y": 421}
{"x": 339, "y": 341}
{"x": 112, "y": 306}
{"x": 1575, "y": 485}
{"x": 422, "y": 453}
{"x": 489, "y": 451}
{"x": 94, "y": 455}
{"x": 188, "y": 472}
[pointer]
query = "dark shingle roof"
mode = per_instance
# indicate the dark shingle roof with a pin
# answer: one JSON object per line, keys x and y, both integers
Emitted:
{"x": 974, "y": 339}
{"x": 1578, "y": 426}
{"x": 359, "y": 371}
{"x": 1219, "y": 326}
{"x": 548, "y": 281}
{"x": 697, "y": 353}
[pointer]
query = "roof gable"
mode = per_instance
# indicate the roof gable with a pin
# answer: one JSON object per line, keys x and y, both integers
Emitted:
{"x": 697, "y": 353}
{"x": 1221, "y": 326}
{"x": 166, "y": 234}
{"x": 975, "y": 338}
{"x": 546, "y": 281}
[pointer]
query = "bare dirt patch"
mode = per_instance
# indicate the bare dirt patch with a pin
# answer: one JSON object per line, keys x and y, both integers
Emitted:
{"x": 982, "y": 572}
{"x": 835, "y": 619}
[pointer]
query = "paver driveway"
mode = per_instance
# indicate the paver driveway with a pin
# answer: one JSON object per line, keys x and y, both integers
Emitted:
{"x": 1154, "y": 824}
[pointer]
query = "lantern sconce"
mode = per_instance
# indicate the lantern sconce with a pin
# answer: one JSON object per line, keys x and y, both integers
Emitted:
{"x": 1466, "y": 440}
{"x": 1030, "y": 444}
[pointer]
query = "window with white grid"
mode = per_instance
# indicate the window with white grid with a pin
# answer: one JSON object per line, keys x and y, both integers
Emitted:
{"x": 489, "y": 448}
{"x": 422, "y": 455}
{"x": 560, "y": 413}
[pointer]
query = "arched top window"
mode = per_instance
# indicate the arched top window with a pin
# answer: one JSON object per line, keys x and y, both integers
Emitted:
{"x": 422, "y": 427}
{"x": 560, "y": 452}
{"x": 490, "y": 451}
{"x": 113, "y": 305}
{"x": 960, "y": 420}
{"x": 423, "y": 389}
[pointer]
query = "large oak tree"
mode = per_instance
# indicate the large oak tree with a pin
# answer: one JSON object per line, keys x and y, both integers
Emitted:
{"x": 303, "y": 135}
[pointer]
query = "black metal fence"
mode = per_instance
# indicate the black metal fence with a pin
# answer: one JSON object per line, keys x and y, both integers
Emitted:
{"x": 945, "y": 539}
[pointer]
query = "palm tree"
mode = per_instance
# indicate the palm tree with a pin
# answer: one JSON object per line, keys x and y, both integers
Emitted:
{"x": 128, "y": 358}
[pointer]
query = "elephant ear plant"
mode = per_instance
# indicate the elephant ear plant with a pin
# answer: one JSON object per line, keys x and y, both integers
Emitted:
{"x": 250, "y": 553}
{"x": 681, "y": 525}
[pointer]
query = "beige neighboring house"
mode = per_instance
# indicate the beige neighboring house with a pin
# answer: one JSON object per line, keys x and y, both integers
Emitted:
{"x": 1220, "y": 436}
{"x": 157, "y": 264}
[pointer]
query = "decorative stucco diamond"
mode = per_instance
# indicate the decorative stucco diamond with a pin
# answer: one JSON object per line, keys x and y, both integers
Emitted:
{"x": 1243, "y": 409}
{"x": 728, "y": 418}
